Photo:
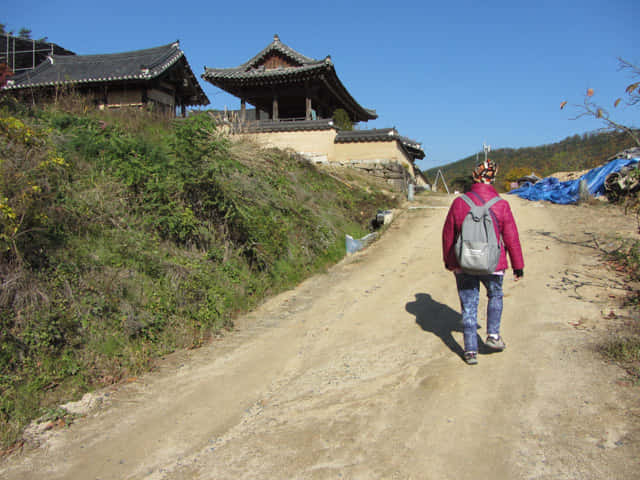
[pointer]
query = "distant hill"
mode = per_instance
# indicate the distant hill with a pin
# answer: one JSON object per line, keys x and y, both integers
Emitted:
{"x": 578, "y": 152}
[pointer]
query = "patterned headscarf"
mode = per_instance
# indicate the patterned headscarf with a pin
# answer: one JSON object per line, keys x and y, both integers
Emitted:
{"x": 485, "y": 172}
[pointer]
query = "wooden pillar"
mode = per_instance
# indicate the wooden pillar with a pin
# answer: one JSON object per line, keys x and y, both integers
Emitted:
{"x": 307, "y": 106}
{"x": 307, "y": 115}
{"x": 243, "y": 110}
{"x": 274, "y": 109}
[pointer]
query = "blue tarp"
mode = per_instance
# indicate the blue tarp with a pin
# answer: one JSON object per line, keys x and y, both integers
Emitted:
{"x": 553, "y": 190}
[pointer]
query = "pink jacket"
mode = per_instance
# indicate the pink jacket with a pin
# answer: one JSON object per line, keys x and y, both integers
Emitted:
{"x": 505, "y": 227}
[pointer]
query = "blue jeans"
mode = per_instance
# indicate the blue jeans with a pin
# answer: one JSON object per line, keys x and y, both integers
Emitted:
{"x": 469, "y": 293}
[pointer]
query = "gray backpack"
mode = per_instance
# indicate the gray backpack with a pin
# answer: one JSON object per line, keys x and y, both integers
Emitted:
{"x": 477, "y": 247}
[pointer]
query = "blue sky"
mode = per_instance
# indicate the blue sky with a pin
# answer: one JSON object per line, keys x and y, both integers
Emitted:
{"x": 450, "y": 75}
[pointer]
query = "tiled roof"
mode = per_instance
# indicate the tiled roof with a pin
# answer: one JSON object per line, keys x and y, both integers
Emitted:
{"x": 415, "y": 148}
{"x": 371, "y": 135}
{"x": 245, "y": 76}
{"x": 412, "y": 147}
{"x": 80, "y": 69}
{"x": 278, "y": 47}
{"x": 253, "y": 69}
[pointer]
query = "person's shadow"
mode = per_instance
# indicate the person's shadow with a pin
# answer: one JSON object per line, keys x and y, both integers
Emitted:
{"x": 437, "y": 318}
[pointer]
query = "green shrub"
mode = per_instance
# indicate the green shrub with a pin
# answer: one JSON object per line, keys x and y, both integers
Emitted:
{"x": 342, "y": 120}
{"x": 32, "y": 177}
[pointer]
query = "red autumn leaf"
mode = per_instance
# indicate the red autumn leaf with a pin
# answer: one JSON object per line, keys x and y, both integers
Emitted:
{"x": 617, "y": 102}
{"x": 589, "y": 92}
{"x": 599, "y": 113}
{"x": 563, "y": 104}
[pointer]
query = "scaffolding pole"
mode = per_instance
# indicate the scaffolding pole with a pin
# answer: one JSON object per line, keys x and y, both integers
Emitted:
{"x": 435, "y": 183}
{"x": 36, "y": 47}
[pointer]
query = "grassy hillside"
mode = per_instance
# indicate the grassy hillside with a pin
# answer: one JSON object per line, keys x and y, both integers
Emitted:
{"x": 579, "y": 152}
{"x": 123, "y": 238}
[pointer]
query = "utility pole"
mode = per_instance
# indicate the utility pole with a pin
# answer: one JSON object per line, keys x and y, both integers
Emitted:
{"x": 487, "y": 149}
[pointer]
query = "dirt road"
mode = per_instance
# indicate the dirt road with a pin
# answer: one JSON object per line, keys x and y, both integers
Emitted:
{"x": 357, "y": 374}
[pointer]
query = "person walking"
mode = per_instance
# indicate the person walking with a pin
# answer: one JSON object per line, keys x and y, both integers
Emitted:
{"x": 468, "y": 285}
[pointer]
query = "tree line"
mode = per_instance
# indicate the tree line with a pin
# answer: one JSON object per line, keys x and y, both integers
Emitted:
{"x": 574, "y": 153}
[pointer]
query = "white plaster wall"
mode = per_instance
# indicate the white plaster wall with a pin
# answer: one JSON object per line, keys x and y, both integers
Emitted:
{"x": 316, "y": 144}
{"x": 319, "y": 146}
{"x": 374, "y": 152}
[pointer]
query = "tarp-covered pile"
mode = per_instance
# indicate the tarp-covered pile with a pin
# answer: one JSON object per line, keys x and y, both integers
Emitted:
{"x": 553, "y": 190}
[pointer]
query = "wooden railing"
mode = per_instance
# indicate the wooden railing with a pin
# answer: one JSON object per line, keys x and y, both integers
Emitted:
{"x": 236, "y": 125}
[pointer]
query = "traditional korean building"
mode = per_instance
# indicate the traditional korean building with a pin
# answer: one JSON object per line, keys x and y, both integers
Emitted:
{"x": 157, "y": 77}
{"x": 295, "y": 98}
{"x": 288, "y": 85}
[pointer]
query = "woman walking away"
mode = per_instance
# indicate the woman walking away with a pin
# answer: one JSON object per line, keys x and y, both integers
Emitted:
{"x": 468, "y": 280}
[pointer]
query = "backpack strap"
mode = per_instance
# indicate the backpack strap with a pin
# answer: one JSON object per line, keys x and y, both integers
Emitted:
{"x": 478, "y": 197}
{"x": 490, "y": 203}
{"x": 493, "y": 201}
{"x": 468, "y": 200}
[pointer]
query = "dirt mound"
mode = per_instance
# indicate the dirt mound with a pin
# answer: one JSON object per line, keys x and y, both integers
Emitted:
{"x": 566, "y": 176}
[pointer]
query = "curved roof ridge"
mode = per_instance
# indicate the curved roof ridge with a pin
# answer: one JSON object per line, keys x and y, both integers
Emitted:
{"x": 246, "y": 71}
{"x": 279, "y": 47}
{"x": 281, "y": 71}
{"x": 129, "y": 53}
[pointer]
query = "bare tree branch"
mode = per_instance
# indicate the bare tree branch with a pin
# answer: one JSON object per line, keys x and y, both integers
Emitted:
{"x": 591, "y": 109}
